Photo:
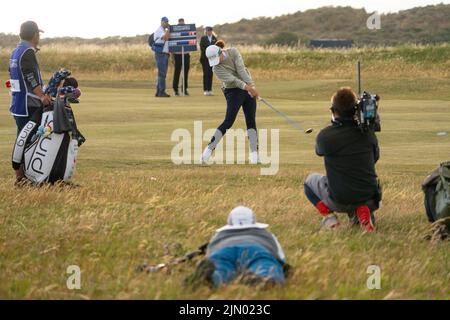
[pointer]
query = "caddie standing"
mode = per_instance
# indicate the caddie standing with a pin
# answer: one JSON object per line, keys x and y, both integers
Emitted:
{"x": 25, "y": 79}
{"x": 25, "y": 76}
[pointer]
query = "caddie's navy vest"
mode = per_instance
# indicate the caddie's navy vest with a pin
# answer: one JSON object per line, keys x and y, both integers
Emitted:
{"x": 19, "y": 89}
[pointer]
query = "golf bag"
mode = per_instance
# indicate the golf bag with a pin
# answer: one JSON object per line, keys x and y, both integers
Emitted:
{"x": 47, "y": 146}
{"x": 437, "y": 193}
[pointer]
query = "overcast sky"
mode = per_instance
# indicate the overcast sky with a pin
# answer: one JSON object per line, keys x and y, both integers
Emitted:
{"x": 95, "y": 18}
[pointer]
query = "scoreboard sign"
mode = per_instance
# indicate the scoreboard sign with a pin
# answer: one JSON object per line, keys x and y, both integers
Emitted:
{"x": 183, "y": 38}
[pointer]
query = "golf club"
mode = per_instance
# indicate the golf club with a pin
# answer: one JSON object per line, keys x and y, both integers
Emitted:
{"x": 295, "y": 124}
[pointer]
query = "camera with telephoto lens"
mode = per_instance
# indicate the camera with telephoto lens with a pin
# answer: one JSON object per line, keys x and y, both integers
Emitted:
{"x": 366, "y": 112}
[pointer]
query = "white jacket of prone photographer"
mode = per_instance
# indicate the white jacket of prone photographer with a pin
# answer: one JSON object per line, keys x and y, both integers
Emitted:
{"x": 47, "y": 147}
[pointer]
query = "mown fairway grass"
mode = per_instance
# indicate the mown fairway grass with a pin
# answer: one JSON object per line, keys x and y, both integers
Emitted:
{"x": 134, "y": 205}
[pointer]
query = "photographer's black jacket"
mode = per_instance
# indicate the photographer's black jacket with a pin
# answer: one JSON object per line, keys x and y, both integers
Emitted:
{"x": 350, "y": 158}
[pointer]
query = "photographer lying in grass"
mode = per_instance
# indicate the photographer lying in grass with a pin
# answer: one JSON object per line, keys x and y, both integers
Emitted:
{"x": 350, "y": 185}
{"x": 243, "y": 248}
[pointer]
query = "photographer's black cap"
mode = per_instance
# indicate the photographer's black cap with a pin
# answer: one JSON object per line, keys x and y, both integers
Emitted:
{"x": 28, "y": 30}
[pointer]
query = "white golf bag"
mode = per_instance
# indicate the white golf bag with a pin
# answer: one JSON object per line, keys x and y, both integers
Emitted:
{"x": 47, "y": 146}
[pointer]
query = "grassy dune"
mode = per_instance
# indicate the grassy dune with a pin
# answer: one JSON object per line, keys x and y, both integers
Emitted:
{"x": 134, "y": 205}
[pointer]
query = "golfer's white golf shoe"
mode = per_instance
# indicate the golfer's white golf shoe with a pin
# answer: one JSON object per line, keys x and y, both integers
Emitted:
{"x": 254, "y": 157}
{"x": 206, "y": 155}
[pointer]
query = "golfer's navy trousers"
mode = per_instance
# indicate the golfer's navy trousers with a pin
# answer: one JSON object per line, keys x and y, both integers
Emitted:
{"x": 235, "y": 99}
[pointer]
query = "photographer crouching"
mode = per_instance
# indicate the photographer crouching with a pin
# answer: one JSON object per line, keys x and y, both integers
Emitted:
{"x": 350, "y": 185}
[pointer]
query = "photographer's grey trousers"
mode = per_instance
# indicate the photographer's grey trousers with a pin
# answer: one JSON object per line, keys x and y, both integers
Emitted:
{"x": 319, "y": 185}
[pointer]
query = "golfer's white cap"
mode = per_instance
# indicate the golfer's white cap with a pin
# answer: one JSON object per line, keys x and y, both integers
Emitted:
{"x": 213, "y": 55}
{"x": 242, "y": 218}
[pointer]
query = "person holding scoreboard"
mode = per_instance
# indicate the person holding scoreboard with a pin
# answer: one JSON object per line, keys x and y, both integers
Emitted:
{"x": 177, "y": 60}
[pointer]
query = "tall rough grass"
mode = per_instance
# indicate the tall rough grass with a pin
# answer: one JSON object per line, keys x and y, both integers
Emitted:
{"x": 134, "y": 205}
{"x": 136, "y": 61}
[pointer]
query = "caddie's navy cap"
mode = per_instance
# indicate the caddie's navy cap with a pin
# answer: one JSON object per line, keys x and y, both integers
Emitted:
{"x": 28, "y": 29}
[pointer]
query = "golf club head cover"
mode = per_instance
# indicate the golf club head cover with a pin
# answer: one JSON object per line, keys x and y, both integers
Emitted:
{"x": 54, "y": 82}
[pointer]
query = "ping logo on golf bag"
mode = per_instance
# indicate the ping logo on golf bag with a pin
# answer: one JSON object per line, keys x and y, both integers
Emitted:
{"x": 40, "y": 153}
{"x": 21, "y": 141}
{"x": 23, "y": 136}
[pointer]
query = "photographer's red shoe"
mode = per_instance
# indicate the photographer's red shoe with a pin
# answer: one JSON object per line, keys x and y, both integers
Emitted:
{"x": 323, "y": 209}
{"x": 363, "y": 213}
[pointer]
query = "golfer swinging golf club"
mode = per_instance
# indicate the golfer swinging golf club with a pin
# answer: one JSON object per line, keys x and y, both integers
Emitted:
{"x": 239, "y": 90}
